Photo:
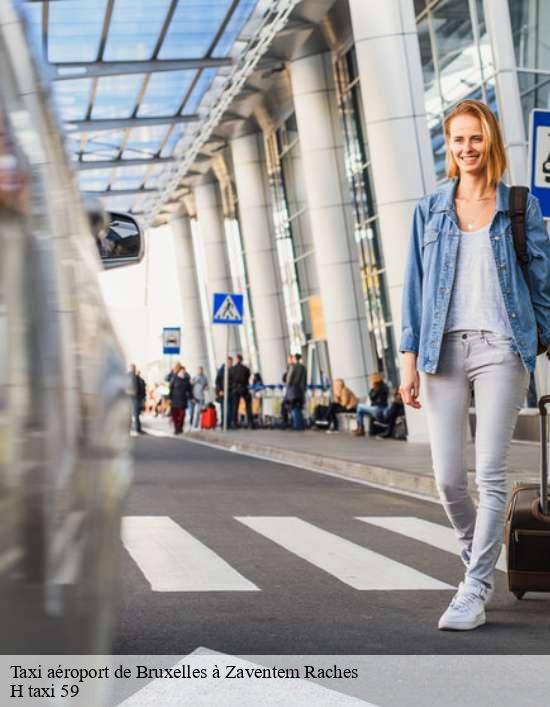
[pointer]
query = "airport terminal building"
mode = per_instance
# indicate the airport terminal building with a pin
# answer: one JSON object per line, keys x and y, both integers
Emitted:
{"x": 283, "y": 159}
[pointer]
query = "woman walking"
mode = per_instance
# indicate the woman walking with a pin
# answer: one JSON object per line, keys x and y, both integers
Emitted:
{"x": 180, "y": 393}
{"x": 471, "y": 320}
{"x": 198, "y": 402}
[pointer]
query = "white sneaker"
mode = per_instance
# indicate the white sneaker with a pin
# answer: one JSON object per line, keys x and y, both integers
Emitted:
{"x": 466, "y": 610}
{"x": 332, "y": 432}
{"x": 490, "y": 590}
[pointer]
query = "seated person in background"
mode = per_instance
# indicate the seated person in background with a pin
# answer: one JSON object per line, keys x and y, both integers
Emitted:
{"x": 257, "y": 380}
{"x": 344, "y": 401}
{"x": 378, "y": 396}
{"x": 395, "y": 410}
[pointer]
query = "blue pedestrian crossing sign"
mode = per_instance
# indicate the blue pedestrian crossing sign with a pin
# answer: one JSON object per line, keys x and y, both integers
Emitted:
{"x": 171, "y": 340}
{"x": 228, "y": 308}
{"x": 539, "y": 158}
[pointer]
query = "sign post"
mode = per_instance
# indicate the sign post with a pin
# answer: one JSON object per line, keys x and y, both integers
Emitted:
{"x": 171, "y": 340}
{"x": 227, "y": 309}
{"x": 539, "y": 158}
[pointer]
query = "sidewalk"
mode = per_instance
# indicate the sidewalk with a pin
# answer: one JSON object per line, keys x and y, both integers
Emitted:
{"x": 384, "y": 462}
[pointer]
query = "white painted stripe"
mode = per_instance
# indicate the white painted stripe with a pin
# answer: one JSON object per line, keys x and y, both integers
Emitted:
{"x": 65, "y": 536}
{"x": 439, "y": 536}
{"x": 172, "y": 560}
{"x": 350, "y": 563}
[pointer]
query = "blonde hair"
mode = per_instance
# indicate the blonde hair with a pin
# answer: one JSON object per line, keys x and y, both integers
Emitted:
{"x": 495, "y": 156}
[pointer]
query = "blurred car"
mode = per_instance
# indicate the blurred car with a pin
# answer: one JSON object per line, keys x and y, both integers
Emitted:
{"x": 65, "y": 464}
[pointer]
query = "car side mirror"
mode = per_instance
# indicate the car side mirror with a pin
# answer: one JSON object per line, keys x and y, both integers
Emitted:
{"x": 120, "y": 242}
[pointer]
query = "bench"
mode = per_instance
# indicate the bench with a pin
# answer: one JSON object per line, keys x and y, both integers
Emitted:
{"x": 346, "y": 421}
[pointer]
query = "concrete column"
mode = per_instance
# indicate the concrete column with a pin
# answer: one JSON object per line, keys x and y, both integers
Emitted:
{"x": 216, "y": 268}
{"x": 344, "y": 315}
{"x": 499, "y": 29}
{"x": 254, "y": 219}
{"x": 194, "y": 348}
{"x": 403, "y": 171}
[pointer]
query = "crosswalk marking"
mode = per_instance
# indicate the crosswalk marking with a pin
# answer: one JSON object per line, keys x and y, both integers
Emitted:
{"x": 350, "y": 563}
{"x": 439, "y": 536}
{"x": 172, "y": 560}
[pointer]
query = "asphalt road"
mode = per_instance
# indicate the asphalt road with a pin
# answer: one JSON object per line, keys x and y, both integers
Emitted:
{"x": 250, "y": 557}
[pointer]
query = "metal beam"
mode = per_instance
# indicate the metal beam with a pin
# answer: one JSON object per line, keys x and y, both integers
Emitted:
{"x": 109, "y": 164}
{"x": 84, "y": 70}
{"x": 269, "y": 61}
{"x": 165, "y": 27}
{"x": 232, "y": 119}
{"x": 45, "y": 22}
{"x": 119, "y": 192}
{"x": 122, "y": 123}
{"x": 271, "y": 23}
{"x": 298, "y": 26}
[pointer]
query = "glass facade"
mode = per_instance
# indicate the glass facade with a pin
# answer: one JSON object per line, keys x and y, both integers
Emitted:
{"x": 365, "y": 217}
{"x": 456, "y": 61}
{"x": 531, "y": 29}
{"x": 200, "y": 271}
{"x": 277, "y": 145}
{"x": 237, "y": 263}
{"x": 241, "y": 284}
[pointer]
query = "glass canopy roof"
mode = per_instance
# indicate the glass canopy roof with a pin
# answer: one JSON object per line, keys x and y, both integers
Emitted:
{"x": 130, "y": 79}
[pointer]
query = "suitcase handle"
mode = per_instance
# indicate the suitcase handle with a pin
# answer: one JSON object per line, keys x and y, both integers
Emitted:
{"x": 543, "y": 402}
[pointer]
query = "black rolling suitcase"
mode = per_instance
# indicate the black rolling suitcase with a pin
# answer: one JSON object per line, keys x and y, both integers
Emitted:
{"x": 527, "y": 530}
{"x": 319, "y": 420}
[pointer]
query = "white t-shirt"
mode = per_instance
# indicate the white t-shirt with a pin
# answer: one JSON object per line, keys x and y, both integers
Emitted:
{"x": 476, "y": 300}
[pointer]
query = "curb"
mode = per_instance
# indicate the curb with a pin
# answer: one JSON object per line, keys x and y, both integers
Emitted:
{"x": 383, "y": 477}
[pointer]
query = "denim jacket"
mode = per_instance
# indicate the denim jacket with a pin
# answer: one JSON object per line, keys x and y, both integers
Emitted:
{"x": 431, "y": 268}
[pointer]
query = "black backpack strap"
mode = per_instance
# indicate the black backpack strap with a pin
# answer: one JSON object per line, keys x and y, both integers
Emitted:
{"x": 517, "y": 204}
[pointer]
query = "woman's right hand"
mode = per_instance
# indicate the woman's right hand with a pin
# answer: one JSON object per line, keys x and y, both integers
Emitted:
{"x": 410, "y": 381}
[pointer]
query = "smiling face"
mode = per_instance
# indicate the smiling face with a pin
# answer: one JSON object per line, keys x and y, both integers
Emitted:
{"x": 467, "y": 144}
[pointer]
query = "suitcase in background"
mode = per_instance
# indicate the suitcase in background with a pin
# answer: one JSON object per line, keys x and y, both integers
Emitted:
{"x": 527, "y": 530}
{"x": 319, "y": 419}
{"x": 208, "y": 417}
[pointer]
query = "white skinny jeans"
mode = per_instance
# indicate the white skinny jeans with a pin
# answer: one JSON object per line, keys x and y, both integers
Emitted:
{"x": 486, "y": 361}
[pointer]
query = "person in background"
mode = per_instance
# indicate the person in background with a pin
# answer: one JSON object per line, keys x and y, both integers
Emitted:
{"x": 180, "y": 393}
{"x": 257, "y": 380}
{"x": 324, "y": 381}
{"x": 159, "y": 399}
{"x": 241, "y": 378}
{"x": 150, "y": 402}
{"x": 296, "y": 382}
{"x": 378, "y": 396}
{"x": 138, "y": 392}
{"x": 218, "y": 384}
{"x": 344, "y": 401}
{"x": 395, "y": 410}
{"x": 200, "y": 386}
{"x": 257, "y": 387}
{"x": 172, "y": 373}
{"x": 285, "y": 404}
